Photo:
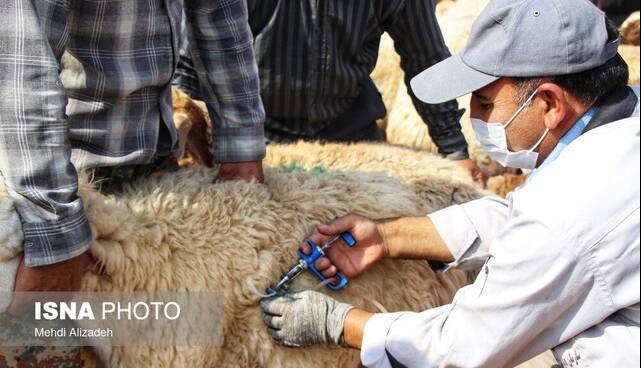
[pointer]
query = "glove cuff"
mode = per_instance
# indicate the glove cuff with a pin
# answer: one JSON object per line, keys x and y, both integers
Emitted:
{"x": 336, "y": 322}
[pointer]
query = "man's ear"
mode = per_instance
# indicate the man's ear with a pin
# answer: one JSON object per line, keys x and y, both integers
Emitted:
{"x": 553, "y": 103}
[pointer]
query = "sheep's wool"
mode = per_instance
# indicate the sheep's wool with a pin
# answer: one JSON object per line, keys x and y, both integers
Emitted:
{"x": 630, "y": 30}
{"x": 178, "y": 231}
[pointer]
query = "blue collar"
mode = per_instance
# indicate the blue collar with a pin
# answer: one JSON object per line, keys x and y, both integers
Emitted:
{"x": 568, "y": 138}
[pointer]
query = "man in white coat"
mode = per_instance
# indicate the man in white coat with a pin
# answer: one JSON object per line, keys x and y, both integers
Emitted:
{"x": 559, "y": 258}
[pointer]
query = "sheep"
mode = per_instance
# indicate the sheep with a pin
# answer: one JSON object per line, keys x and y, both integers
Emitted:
{"x": 631, "y": 56}
{"x": 412, "y": 166}
{"x": 502, "y": 185}
{"x": 629, "y": 30}
{"x": 629, "y": 48}
{"x": 192, "y": 123}
{"x": 239, "y": 237}
{"x": 455, "y": 19}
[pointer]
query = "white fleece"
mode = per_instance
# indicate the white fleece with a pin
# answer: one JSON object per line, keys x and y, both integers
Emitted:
{"x": 11, "y": 240}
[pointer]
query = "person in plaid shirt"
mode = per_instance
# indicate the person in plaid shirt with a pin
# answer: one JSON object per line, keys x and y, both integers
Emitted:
{"x": 85, "y": 85}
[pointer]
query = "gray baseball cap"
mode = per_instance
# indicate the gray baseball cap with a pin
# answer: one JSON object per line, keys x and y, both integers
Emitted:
{"x": 521, "y": 38}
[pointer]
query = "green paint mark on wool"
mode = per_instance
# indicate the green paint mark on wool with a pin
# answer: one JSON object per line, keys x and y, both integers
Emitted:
{"x": 295, "y": 167}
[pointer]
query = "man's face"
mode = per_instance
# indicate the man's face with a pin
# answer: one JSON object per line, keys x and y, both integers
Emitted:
{"x": 497, "y": 102}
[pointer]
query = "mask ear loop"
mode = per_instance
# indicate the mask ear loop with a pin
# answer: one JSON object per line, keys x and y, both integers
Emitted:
{"x": 527, "y": 102}
{"x": 547, "y": 130}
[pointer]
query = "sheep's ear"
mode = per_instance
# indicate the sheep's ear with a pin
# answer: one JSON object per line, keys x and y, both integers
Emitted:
{"x": 183, "y": 126}
{"x": 199, "y": 138}
{"x": 193, "y": 126}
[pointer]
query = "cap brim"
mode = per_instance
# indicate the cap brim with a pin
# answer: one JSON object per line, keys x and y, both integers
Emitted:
{"x": 447, "y": 80}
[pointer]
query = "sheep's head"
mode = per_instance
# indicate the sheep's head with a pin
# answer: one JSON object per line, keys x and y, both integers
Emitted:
{"x": 194, "y": 129}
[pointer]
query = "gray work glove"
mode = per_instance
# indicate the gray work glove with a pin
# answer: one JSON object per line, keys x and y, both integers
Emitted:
{"x": 305, "y": 318}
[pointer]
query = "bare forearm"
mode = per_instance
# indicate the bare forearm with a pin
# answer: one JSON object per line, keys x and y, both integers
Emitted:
{"x": 354, "y": 327}
{"x": 405, "y": 237}
{"x": 413, "y": 238}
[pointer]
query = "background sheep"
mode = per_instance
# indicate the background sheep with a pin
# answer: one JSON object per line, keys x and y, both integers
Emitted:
{"x": 630, "y": 30}
{"x": 502, "y": 185}
{"x": 630, "y": 54}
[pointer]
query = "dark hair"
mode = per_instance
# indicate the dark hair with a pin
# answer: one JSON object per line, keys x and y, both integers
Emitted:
{"x": 586, "y": 86}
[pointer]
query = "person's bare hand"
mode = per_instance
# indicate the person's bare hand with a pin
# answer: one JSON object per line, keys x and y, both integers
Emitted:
{"x": 471, "y": 167}
{"x": 369, "y": 248}
{"x": 57, "y": 277}
{"x": 247, "y": 171}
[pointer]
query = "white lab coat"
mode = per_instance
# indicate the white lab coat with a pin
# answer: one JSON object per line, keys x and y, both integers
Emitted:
{"x": 561, "y": 269}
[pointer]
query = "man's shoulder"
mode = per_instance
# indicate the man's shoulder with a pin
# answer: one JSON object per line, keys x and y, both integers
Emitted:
{"x": 609, "y": 149}
{"x": 625, "y": 129}
{"x": 591, "y": 186}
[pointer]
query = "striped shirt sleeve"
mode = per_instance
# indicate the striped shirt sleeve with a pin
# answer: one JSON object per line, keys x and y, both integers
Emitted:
{"x": 222, "y": 48}
{"x": 34, "y": 132}
{"x": 419, "y": 42}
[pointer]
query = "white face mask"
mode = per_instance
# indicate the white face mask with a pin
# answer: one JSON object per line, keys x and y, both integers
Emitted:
{"x": 493, "y": 139}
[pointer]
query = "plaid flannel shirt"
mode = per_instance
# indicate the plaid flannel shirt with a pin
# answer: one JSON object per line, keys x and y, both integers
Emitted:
{"x": 87, "y": 84}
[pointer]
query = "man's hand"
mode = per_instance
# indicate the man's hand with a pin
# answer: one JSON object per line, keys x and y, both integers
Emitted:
{"x": 246, "y": 171}
{"x": 369, "y": 249}
{"x": 304, "y": 319}
{"x": 471, "y": 167}
{"x": 63, "y": 276}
